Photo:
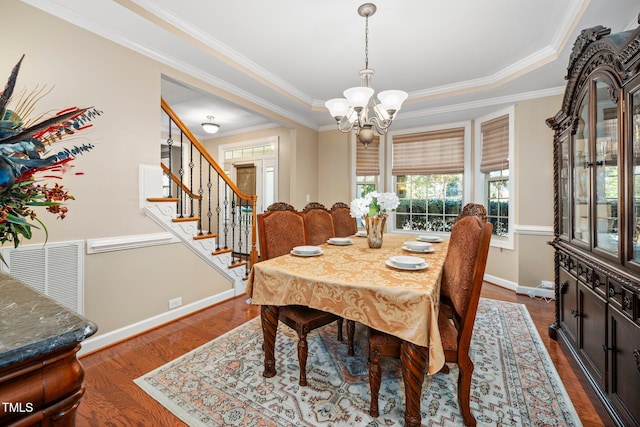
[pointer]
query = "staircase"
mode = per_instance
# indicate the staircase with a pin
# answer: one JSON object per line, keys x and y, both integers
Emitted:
{"x": 199, "y": 205}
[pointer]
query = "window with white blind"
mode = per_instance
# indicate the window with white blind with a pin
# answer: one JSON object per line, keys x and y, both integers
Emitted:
{"x": 428, "y": 168}
{"x": 494, "y": 143}
{"x": 367, "y": 167}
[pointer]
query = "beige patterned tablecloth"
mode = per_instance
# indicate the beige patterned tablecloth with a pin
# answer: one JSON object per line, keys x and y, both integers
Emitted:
{"x": 355, "y": 283}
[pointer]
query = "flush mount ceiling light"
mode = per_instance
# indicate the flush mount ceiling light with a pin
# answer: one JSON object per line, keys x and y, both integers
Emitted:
{"x": 360, "y": 110}
{"x": 209, "y": 126}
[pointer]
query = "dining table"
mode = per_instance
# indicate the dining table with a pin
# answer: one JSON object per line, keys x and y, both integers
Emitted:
{"x": 362, "y": 284}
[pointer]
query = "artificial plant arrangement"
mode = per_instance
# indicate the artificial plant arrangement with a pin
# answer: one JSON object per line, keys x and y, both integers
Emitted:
{"x": 27, "y": 160}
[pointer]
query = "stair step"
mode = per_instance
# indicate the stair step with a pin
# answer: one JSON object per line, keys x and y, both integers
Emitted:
{"x": 163, "y": 199}
{"x": 238, "y": 264}
{"x": 186, "y": 219}
{"x": 221, "y": 251}
{"x": 205, "y": 236}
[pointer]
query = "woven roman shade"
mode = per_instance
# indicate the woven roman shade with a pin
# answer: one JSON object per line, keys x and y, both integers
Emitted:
{"x": 368, "y": 158}
{"x": 424, "y": 153}
{"x": 495, "y": 144}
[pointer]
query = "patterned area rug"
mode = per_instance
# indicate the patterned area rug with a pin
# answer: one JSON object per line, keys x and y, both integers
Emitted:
{"x": 221, "y": 383}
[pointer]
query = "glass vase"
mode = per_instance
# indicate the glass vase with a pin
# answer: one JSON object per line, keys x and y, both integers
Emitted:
{"x": 375, "y": 230}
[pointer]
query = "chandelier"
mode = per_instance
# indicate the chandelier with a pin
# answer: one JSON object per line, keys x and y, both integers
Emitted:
{"x": 360, "y": 110}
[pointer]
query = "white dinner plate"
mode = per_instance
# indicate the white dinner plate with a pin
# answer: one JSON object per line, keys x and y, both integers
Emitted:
{"x": 305, "y": 254}
{"x": 340, "y": 241}
{"x": 361, "y": 233}
{"x": 418, "y": 246}
{"x": 406, "y": 261}
{"x": 415, "y": 267}
{"x": 307, "y": 250}
{"x": 419, "y": 251}
{"x": 430, "y": 239}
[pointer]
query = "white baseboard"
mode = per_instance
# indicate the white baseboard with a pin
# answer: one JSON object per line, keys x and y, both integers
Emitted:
{"x": 96, "y": 343}
{"x": 523, "y": 290}
{"x": 536, "y": 292}
{"x": 501, "y": 282}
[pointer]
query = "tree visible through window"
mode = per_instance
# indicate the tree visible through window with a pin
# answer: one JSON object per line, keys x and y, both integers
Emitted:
{"x": 428, "y": 202}
{"x": 498, "y": 201}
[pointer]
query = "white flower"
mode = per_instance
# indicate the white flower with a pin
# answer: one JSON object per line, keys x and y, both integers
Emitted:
{"x": 374, "y": 204}
{"x": 388, "y": 202}
{"x": 359, "y": 208}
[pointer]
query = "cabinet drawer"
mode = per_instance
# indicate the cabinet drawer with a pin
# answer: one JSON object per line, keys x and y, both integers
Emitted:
{"x": 622, "y": 298}
{"x": 567, "y": 262}
{"x": 584, "y": 273}
{"x": 599, "y": 282}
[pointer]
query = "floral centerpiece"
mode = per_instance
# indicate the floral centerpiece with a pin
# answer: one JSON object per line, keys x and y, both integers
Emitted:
{"x": 26, "y": 160}
{"x": 374, "y": 209}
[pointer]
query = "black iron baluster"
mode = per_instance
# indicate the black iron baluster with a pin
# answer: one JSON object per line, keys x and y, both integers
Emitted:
{"x": 201, "y": 194}
{"x": 225, "y": 217}
{"x": 247, "y": 228}
{"x": 218, "y": 209}
{"x": 209, "y": 212}
{"x": 190, "y": 189}
{"x": 170, "y": 145}
{"x": 233, "y": 227}
{"x": 181, "y": 186}
{"x": 239, "y": 222}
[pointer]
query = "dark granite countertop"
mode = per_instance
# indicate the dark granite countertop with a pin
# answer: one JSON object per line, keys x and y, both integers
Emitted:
{"x": 32, "y": 324}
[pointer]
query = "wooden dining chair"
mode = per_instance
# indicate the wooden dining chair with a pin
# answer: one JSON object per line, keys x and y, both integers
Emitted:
{"x": 319, "y": 223}
{"x": 462, "y": 276}
{"x": 281, "y": 228}
{"x": 344, "y": 224}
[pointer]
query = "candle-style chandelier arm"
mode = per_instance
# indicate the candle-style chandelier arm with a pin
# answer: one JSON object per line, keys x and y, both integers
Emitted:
{"x": 344, "y": 125}
{"x": 381, "y": 125}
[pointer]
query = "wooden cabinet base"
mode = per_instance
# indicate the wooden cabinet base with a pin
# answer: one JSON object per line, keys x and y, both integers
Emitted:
{"x": 42, "y": 391}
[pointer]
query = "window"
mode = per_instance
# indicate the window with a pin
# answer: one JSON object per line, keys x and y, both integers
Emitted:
{"x": 428, "y": 170}
{"x": 365, "y": 184}
{"x": 428, "y": 202}
{"x": 367, "y": 167}
{"x": 495, "y": 145}
{"x": 498, "y": 201}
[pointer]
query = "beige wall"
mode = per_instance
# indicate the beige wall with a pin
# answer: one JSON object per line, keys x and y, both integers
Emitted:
{"x": 334, "y": 168}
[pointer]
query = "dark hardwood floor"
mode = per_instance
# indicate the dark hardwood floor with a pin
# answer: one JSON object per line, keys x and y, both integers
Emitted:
{"x": 112, "y": 398}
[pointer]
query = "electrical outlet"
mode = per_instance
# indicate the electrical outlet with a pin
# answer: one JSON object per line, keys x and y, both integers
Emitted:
{"x": 176, "y": 302}
{"x": 545, "y": 284}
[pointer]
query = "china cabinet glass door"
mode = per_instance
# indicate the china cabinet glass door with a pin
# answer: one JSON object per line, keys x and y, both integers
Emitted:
{"x": 606, "y": 164}
{"x": 581, "y": 177}
{"x": 635, "y": 181}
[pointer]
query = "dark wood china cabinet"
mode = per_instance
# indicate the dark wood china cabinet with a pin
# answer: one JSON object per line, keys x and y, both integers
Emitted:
{"x": 597, "y": 217}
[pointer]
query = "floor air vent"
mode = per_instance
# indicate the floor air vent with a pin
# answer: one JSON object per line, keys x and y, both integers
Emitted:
{"x": 54, "y": 269}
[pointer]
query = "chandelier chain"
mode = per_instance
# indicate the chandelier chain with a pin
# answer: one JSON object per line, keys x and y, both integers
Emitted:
{"x": 366, "y": 43}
